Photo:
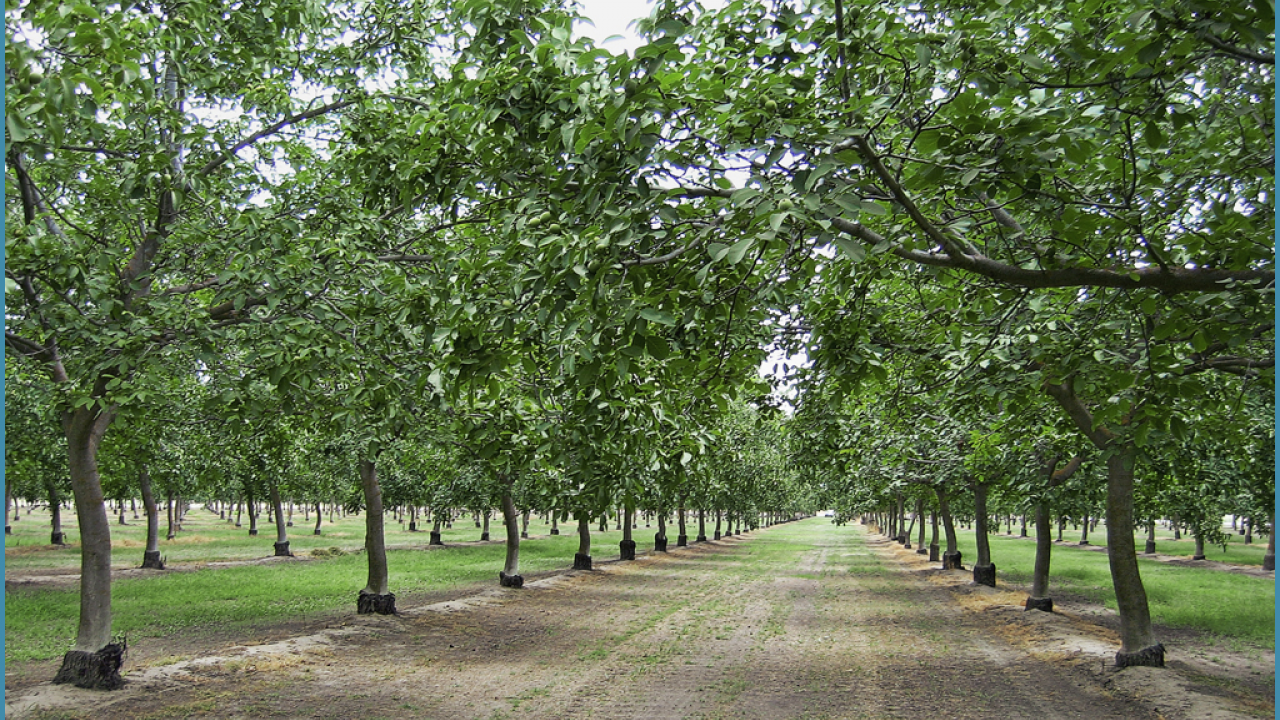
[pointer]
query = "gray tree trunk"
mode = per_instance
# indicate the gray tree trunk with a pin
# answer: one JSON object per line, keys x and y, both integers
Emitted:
{"x": 582, "y": 561}
{"x": 1269, "y": 559}
{"x": 150, "y": 556}
{"x": 984, "y": 571}
{"x": 1138, "y": 645}
{"x": 56, "y": 536}
{"x": 376, "y": 596}
{"x": 282, "y": 530}
{"x": 951, "y": 558}
{"x": 95, "y": 662}
{"x": 510, "y": 575}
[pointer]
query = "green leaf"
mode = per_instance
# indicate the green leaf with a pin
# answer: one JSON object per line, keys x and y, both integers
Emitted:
{"x": 853, "y": 249}
{"x": 657, "y": 316}
{"x": 739, "y": 250}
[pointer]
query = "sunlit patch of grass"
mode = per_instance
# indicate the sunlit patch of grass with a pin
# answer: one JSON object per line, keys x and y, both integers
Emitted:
{"x": 1223, "y": 603}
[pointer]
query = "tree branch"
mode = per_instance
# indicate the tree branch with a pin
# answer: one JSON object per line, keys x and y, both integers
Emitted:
{"x": 217, "y": 162}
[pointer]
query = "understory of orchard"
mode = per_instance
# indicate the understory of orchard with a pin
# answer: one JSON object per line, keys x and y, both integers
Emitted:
{"x": 917, "y": 259}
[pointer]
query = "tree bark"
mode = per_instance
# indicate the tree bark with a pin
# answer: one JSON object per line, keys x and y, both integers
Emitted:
{"x": 510, "y": 575}
{"x": 582, "y": 560}
{"x": 1269, "y": 559}
{"x": 1198, "y": 534}
{"x": 1039, "y": 599}
{"x": 282, "y": 530}
{"x": 934, "y": 556}
{"x": 920, "y": 548}
{"x": 984, "y": 571}
{"x": 484, "y": 532}
{"x": 702, "y": 525}
{"x": 1084, "y": 534}
{"x": 56, "y": 536}
{"x": 1150, "y": 549}
{"x": 717, "y": 533}
{"x": 660, "y": 537}
{"x": 150, "y": 556}
{"x": 376, "y": 596}
{"x": 524, "y": 524}
{"x": 95, "y": 662}
{"x": 8, "y": 498}
{"x": 627, "y": 548}
{"x": 950, "y": 558}
{"x": 682, "y": 539}
{"x": 1138, "y": 645}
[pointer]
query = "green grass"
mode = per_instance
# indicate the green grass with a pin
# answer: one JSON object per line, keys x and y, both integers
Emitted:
{"x": 1226, "y": 604}
{"x": 40, "y": 623}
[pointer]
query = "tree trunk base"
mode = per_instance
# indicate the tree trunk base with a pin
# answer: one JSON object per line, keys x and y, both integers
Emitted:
{"x": 57, "y": 538}
{"x": 922, "y": 550}
{"x": 1043, "y": 604}
{"x": 1269, "y": 562}
{"x": 682, "y": 541}
{"x": 316, "y": 531}
{"x": 717, "y": 536}
{"x": 906, "y": 546}
{"x": 484, "y": 537}
{"x": 1150, "y": 549}
{"x": 371, "y": 604}
{"x": 985, "y": 575}
{"x": 659, "y": 543}
{"x": 701, "y": 538}
{"x": 8, "y": 529}
{"x": 627, "y": 549}
{"x": 151, "y": 560}
{"x": 554, "y": 531}
{"x": 1197, "y": 557}
{"x": 93, "y": 671}
{"x": 511, "y": 581}
{"x": 951, "y": 561}
{"x": 1147, "y": 657}
{"x": 282, "y": 549}
{"x": 253, "y": 532}
{"x": 524, "y": 535}
{"x": 933, "y": 553}
{"x": 581, "y": 562}
{"x": 435, "y": 538}
{"x": 413, "y": 526}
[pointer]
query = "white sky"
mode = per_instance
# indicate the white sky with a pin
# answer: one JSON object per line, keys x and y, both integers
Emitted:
{"x": 611, "y": 17}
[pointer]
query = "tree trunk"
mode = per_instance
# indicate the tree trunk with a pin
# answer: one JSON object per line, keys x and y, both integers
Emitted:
{"x": 376, "y": 596}
{"x": 173, "y": 521}
{"x": 682, "y": 539}
{"x": 1269, "y": 559}
{"x": 627, "y": 548}
{"x": 950, "y": 558}
{"x": 8, "y": 499}
{"x": 1138, "y": 644}
{"x": 920, "y": 548}
{"x": 319, "y": 519}
{"x": 555, "y": 529}
{"x": 1084, "y": 534}
{"x": 282, "y": 530}
{"x": 56, "y": 536}
{"x": 933, "y": 537}
{"x": 582, "y": 560}
{"x": 150, "y": 556}
{"x": 906, "y": 535}
{"x": 717, "y": 534}
{"x": 1150, "y": 549}
{"x": 660, "y": 538}
{"x": 900, "y": 520}
{"x": 510, "y": 575}
{"x": 702, "y": 525}
{"x": 239, "y": 510}
{"x": 1198, "y": 534}
{"x": 251, "y": 508}
{"x": 484, "y": 532}
{"x": 524, "y": 524}
{"x": 95, "y": 662}
{"x": 984, "y": 571}
{"x": 435, "y": 531}
{"x": 1039, "y": 599}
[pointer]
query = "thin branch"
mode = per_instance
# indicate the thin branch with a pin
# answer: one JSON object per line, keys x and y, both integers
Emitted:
{"x": 219, "y": 161}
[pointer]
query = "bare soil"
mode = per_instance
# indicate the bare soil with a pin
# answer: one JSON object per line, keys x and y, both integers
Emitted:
{"x": 841, "y": 625}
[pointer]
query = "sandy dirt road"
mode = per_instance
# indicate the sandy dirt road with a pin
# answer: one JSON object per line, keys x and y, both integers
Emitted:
{"x": 802, "y": 620}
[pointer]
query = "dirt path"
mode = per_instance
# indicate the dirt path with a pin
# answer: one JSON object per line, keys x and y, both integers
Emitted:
{"x": 803, "y": 620}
